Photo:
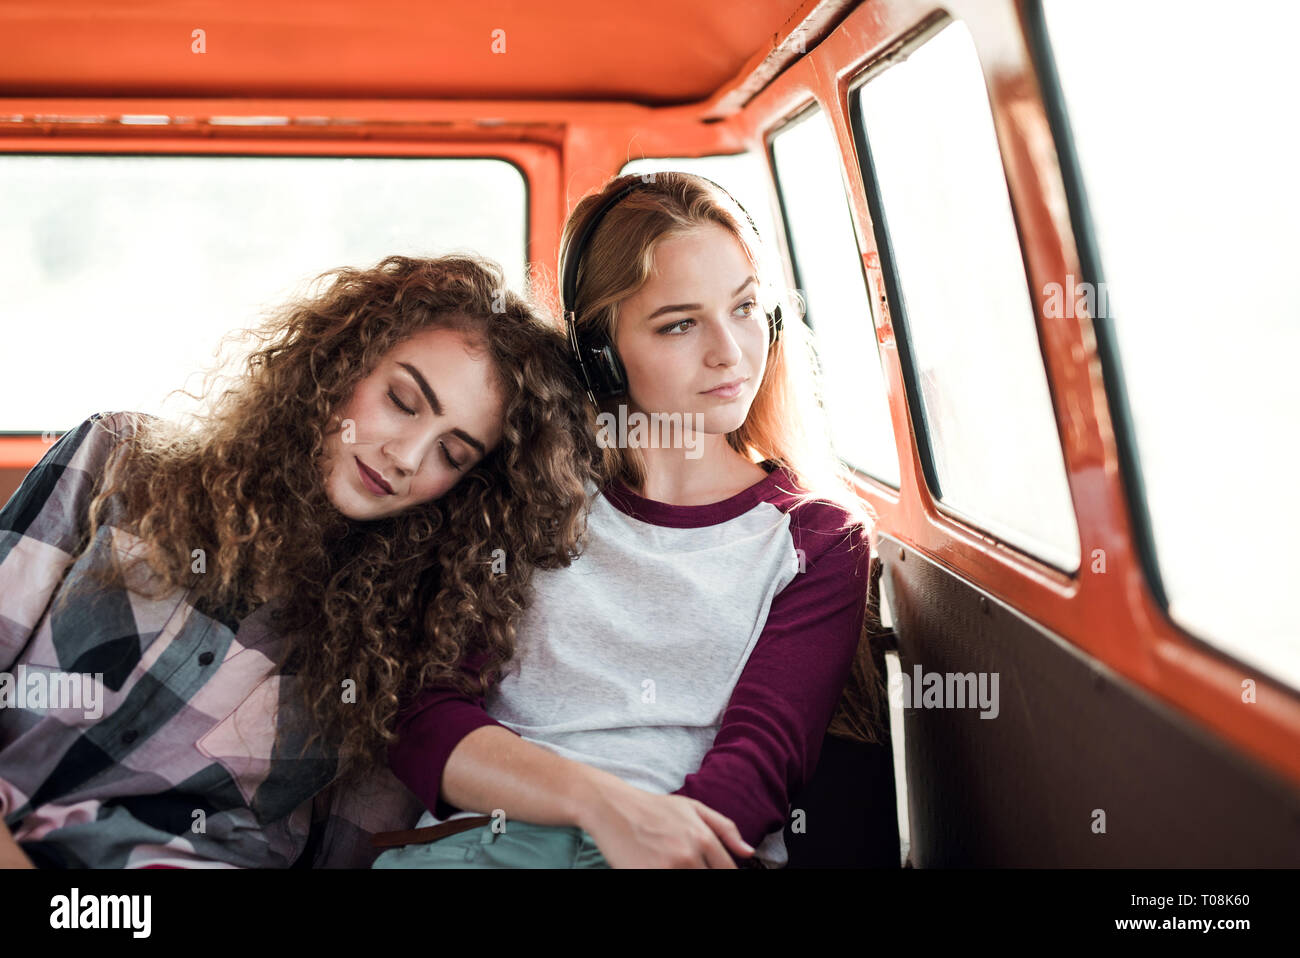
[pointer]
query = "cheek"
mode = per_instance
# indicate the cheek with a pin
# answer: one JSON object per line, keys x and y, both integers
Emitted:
{"x": 353, "y": 427}
{"x": 363, "y": 409}
{"x": 656, "y": 372}
{"x": 428, "y": 489}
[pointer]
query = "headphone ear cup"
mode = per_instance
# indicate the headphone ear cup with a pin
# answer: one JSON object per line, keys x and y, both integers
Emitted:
{"x": 611, "y": 378}
{"x": 596, "y": 362}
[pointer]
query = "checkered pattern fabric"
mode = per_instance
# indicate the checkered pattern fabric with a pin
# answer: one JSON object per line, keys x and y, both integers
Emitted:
{"x": 138, "y": 732}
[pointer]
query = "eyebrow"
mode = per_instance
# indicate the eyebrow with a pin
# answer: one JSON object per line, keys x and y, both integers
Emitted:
{"x": 436, "y": 406}
{"x": 683, "y": 307}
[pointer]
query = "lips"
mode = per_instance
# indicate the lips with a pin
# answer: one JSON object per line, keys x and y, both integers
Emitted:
{"x": 728, "y": 389}
{"x": 373, "y": 480}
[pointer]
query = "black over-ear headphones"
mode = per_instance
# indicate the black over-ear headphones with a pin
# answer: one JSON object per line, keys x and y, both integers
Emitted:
{"x": 598, "y": 364}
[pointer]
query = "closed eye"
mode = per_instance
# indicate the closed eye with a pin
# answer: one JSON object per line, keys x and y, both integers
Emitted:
{"x": 447, "y": 455}
{"x": 398, "y": 403}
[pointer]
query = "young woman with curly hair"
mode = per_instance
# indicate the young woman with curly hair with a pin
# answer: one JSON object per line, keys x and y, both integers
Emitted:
{"x": 230, "y": 613}
{"x": 672, "y": 687}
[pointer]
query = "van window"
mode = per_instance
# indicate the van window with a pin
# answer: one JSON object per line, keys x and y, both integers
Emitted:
{"x": 122, "y": 273}
{"x": 1189, "y": 180}
{"x": 829, "y": 266}
{"x": 952, "y": 256}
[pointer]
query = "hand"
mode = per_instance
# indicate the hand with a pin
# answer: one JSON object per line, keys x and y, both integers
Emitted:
{"x": 11, "y": 855}
{"x": 634, "y": 828}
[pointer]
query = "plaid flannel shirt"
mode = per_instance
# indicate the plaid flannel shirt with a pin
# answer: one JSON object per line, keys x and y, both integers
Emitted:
{"x": 175, "y": 763}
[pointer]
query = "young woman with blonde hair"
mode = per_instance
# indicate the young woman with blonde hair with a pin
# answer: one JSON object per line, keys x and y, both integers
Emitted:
{"x": 670, "y": 689}
{"x": 241, "y": 605}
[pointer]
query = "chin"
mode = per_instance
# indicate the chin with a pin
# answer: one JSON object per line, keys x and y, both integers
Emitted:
{"x": 717, "y": 423}
{"x": 342, "y": 510}
{"x": 344, "y": 506}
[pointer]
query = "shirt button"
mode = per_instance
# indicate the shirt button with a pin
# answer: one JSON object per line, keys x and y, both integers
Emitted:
{"x": 129, "y": 736}
{"x": 205, "y": 658}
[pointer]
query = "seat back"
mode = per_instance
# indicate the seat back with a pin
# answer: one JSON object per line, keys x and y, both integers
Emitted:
{"x": 849, "y": 808}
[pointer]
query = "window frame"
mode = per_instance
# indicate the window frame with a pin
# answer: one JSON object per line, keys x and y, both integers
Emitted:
{"x": 1085, "y": 240}
{"x": 801, "y": 113}
{"x": 903, "y": 48}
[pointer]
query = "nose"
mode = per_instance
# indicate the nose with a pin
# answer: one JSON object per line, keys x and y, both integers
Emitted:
{"x": 408, "y": 450}
{"x": 722, "y": 349}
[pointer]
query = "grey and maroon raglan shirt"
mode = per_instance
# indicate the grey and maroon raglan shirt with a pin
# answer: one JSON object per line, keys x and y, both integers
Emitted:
{"x": 694, "y": 650}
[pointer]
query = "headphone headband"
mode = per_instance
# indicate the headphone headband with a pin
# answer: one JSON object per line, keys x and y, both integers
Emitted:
{"x": 569, "y": 288}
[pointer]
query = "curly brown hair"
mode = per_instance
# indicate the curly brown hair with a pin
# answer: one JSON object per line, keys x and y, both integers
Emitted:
{"x": 397, "y": 603}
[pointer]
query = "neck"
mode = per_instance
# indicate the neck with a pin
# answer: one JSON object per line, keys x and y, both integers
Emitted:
{"x": 713, "y": 471}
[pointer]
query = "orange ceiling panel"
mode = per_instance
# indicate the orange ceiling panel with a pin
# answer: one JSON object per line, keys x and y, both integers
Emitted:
{"x": 672, "y": 51}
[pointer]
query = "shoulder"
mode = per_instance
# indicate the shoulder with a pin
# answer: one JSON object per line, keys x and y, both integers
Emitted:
{"x": 51, "y": 503}
{"x": 83, "y": 454}
{"x": 122, "y": 423}
{"x": 103, "y": 429}
{"x": 825, "y": 533}
{"x": 99, "y": 434}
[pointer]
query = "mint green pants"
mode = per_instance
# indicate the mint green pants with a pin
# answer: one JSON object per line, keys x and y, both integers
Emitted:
{"x": 521, "y": 845}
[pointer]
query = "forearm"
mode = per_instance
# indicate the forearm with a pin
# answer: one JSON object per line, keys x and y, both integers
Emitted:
{"x": 493, "y": 768}
{"x": 772, "y": 730}
{"x": 11, "y": 856}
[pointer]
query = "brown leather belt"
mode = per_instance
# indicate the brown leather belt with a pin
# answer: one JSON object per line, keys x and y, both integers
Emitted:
{"x": 419, "y": 836}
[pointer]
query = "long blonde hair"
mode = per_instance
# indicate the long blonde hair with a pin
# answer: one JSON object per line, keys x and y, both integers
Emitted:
{"x": 787, "y": 423}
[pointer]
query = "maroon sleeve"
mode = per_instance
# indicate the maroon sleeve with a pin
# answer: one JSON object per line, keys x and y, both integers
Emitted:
{"x": 428, "y": 731}
{"x": 773, "y": 726}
